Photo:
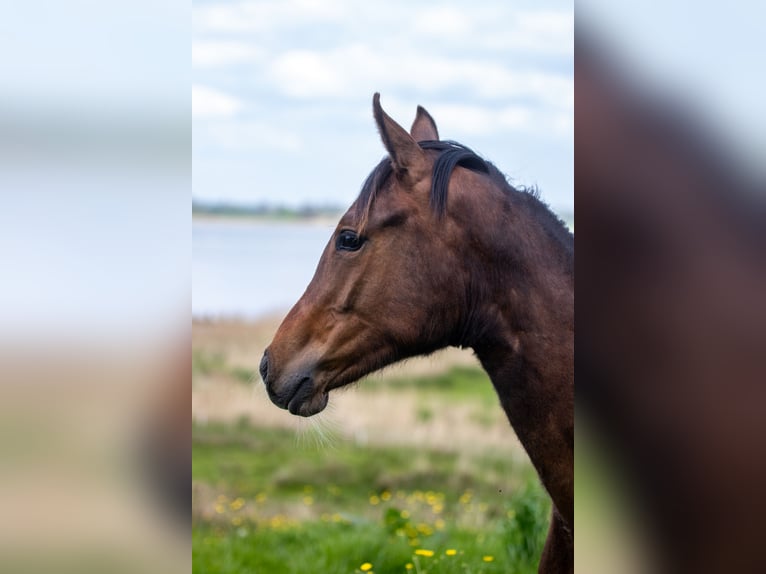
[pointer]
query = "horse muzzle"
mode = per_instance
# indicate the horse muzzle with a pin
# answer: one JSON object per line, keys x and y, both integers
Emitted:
{"x": 295, "y": 392}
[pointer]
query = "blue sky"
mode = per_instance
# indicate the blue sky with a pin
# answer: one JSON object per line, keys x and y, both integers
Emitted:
{"x": 282, "y": 90}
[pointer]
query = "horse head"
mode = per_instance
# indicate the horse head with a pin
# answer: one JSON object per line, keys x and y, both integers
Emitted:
{"x": 390, "y": 283}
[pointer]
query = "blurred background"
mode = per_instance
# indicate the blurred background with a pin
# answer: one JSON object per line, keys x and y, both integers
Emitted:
{"x": 95, "y": 286}
{"x": 421, "y": 457}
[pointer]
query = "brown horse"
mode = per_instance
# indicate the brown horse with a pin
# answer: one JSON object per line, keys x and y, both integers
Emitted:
{"x": 672, "y": 356}
{"x": 439, "y": 250}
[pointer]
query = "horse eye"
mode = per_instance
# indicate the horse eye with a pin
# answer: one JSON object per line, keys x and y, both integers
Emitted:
{"x": 348, "y": 241}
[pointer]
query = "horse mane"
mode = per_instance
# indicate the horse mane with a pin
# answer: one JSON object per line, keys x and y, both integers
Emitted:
{"x": 451, "y": 155}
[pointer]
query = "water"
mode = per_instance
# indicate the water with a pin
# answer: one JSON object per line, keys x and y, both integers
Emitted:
{"x": 252, "y": 269}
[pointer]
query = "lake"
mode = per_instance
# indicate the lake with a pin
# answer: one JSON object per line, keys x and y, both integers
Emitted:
{"x": 247, "y": 270}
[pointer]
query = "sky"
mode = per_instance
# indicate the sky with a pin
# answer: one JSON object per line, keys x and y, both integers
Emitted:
{"x": 282, "y": 92}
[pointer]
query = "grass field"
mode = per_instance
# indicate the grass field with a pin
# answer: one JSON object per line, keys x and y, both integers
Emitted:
{"x": 394, "y": 491}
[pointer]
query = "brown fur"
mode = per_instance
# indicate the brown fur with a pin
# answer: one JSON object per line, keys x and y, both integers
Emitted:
{"x": 494, "y": 273}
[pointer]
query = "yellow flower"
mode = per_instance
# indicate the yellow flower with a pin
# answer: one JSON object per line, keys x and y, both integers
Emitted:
{"x": 277, "y": 521}
{"x": 408, "y": 566}
{"x": 451, "y": 552}
{"x": 405, "y": 514}
{"x": 488, "y": 558}
{"x": 385, "y": 495}
{"x": 365, "y": 567}
{"x": 424, "y": 529}
{"x": 424, "y": 552}
{"x": 374, "y": 500}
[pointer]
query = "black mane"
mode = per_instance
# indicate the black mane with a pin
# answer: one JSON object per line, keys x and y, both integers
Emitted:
{"x": 451, "y": 155}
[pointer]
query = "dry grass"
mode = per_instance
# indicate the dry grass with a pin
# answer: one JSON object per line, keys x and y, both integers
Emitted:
{"x": 364, "y": 414}
{"x": 242, "y": 343}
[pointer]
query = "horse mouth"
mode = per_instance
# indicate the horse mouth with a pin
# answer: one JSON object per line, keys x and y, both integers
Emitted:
{"x": 305, "y": 400}
{"x": 314, "y": 405}
{"x": 301, "y": 395}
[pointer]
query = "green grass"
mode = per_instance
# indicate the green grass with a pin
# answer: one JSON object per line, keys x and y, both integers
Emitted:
{"x": 266, "y": 501}
{"x": 344, "y": 546}
{"x": 207, "y": 363}
{"x": 458, "y": 384}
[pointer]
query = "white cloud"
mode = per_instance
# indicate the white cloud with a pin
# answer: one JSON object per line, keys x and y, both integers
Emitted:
{"x": 514, "y": 118}
{"x": 494, "y": 26}
{"x": 219, "y": 54}
{"x": 210, "y": 103}
{"x": 479, "y": 120}
{"x": 333, "y": 73}
{"x": 260, "y": 16}
{"x": 544, "y": 31}
{"x": 308, "y": 74}
{"x": 498, "y": 28}
{"x": 251, "y": 136}
{"x": 464, "y": 121}
{"x": 458, "y": 121}
{"x": 494, "y": 75}
{"x": 442, "y": 21}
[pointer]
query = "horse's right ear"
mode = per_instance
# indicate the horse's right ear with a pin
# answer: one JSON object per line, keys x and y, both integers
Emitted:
{"x": 424, "y": 127}
{"x": 407, "y": 157}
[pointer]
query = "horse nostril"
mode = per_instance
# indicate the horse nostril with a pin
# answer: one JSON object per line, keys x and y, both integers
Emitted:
{"x": 264, "y": 368}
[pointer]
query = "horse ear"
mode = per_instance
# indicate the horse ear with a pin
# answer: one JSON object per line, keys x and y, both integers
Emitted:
{"x": 406, "y": 155}
{"x": 424, "y": 127}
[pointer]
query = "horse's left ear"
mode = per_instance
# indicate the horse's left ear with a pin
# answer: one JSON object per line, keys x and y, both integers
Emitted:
{"x": 408, "y": 159}
{"x": 424, "y": 127}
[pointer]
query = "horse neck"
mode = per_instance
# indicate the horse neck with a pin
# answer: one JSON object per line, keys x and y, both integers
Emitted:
{"x": 521, "y": 280}
{"x": 524, "y": 334}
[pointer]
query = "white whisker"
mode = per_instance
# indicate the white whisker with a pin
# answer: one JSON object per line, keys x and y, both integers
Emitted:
{"x": 320, "y": 431}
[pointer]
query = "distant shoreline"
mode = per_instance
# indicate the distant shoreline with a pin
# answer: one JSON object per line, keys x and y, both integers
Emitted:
{"x": 324, "y": 218}
{"x": 253, "y": 219}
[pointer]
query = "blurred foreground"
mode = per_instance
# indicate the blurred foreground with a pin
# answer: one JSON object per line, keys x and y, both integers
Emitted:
{"x": 671, "y": 234}
{"x": 94, "y": 258}
{"x": 95, "y": 462}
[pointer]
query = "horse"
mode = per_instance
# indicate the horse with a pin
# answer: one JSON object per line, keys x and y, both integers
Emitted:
{"x": 671, "y": 358}
{"x": 438, "y": 250}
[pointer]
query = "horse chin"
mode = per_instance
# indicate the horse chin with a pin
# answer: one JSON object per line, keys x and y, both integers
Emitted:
{"x": 315, "y": 404}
